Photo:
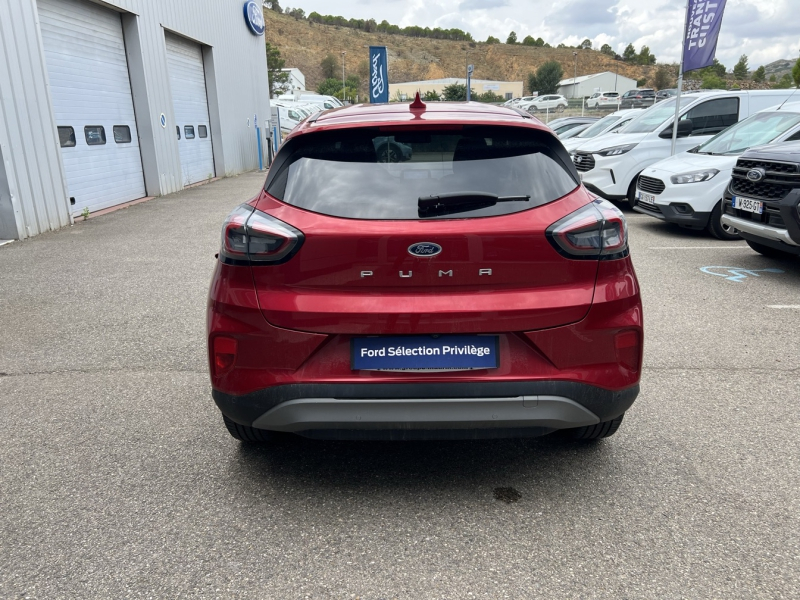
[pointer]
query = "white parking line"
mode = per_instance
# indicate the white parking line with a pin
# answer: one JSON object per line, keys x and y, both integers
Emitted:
{"x": 780, "y": 306}
{"x": 720, "y": 247}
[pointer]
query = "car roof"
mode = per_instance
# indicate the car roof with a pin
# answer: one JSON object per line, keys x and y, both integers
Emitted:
{"x": 401, "y": 113}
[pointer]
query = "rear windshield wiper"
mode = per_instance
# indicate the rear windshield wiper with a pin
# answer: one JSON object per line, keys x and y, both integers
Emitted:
{"x": 456, "y": 202}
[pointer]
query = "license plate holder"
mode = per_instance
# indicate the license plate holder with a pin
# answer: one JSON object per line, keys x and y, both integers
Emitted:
{"x": 748, "y": 204}
{"x": 645, "y": 198}
{"x": 425, "y": 353}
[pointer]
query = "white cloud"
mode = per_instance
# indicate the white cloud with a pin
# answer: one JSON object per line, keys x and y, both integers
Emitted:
{"x": 765, "y": 31}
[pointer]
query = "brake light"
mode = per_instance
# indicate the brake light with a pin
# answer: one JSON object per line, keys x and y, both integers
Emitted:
{"x": 224, "y": 355}
{"x": 252, "y": 237}
{"x": 595, "y": 231}
{"x": 628, "y": 349}
{"x": 640, "y": 97}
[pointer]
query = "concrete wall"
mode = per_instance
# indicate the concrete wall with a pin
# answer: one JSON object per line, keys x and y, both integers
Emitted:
{"x": 236, "y": 84}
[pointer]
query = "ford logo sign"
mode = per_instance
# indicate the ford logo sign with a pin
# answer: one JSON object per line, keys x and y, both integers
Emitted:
{"x": 756, "y": 174}
{"x": 254, "y": 17}
{"x": 424, "y": 249}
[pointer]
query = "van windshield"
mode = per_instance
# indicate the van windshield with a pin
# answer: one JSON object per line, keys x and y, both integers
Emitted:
{"x": 366, "y": 173}
{"x": 652, "y": 118}
{"x": 759, "y": 129}
{"x": 598, "y": 127}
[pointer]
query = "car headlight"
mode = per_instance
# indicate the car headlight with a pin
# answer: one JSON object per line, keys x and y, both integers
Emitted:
{"x": 694, "y": 176}
{"x": 617, "y": 150}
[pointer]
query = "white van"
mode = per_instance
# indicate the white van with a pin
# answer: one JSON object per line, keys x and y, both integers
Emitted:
{"x": 687, "y": 188}
{"x": 324, "y": 102}
{"x": 609, "y": 164}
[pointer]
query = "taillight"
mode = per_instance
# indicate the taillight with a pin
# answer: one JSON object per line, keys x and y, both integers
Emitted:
{"x": 224, "y": 354}
{"x": 250, "y": 236}
{"x": 595, "y": 231}
{"x": 629, "y": 350}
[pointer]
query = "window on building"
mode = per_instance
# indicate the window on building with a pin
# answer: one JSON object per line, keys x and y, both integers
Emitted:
{"x": 178, "y": 131}
{"x": 66, "y": 136}
{"x": 202, "y": 131}
{"x": 509, "y": 95}
{"x": 95, "y": 135}
{"x": 122, "y": 134}
{"x": 188, "y": 132}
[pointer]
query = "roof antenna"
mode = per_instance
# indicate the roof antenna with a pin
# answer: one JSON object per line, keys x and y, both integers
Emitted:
{"x": 789, "y": 97}
{"x": 418, "y": 104}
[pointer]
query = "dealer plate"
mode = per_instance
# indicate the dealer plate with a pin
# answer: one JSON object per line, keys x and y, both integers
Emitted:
{"x": 425, "y": 353}
{"x": 748, "y": 204}
{"x": 646, "y": 198}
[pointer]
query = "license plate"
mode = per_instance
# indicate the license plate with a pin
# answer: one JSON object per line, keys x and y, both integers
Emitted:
{"x": 748, "y": 204}
{"x": 646, "y": 198}
{"x": 425, "y": 353}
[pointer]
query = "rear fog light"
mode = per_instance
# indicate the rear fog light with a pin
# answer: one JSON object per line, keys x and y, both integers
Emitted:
{"x": 628, "y": 348}
{"x": 224, "y": 355}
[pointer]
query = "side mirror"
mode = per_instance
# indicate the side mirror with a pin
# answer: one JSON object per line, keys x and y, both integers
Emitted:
{"x": 685, "y": 129}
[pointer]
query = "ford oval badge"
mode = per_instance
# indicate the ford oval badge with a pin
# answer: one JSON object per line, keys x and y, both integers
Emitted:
{"x": 424, "y": 249}
{"x": 756, "y": 174}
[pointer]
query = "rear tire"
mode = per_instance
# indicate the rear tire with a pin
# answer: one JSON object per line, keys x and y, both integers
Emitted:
{"x": 717, "y": 229}
{"x": 243, "y": 433}
{"x": 593, "y": 432}
{"x": 560, "y": 108}
{"x": 769, "y": 251}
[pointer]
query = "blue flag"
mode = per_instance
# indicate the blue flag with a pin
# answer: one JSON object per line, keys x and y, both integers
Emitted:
{"x": 703, "y": 20}
{"x": 379, "y": 78}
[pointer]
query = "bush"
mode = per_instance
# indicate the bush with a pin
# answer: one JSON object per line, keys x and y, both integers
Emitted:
{"x": 547, "y": 77}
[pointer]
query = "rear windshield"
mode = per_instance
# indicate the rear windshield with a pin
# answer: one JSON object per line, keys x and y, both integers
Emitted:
{"x": 366, "y": 173}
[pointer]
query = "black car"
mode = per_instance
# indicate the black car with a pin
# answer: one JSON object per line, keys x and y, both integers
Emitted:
{"x": 665, "y": 94}
{"x": 643, "y": 98}
{"x": 763, "y": 199}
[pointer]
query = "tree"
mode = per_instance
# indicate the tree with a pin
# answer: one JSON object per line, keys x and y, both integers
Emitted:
{"x": 630, "y": 53}
{"x": 488, "y": 96}
{"x": 512, "y": 38}
{"x": 759, "y": 75}
{"x": 772, "y": 78}
{"x": 456, "y": 92}
{"x": 712, "y": 81}
{"x": 533, "y": 85}
{"x": 663, "y": 78}
{"x": 607, "y": 49}
{"x": 329, "y": 66}
{"x": 586, "y": 44}
{"x": 641, "y": 82}
{"x": 273, "y": 5}
{"x": 740, "y": 68}
{"x": 275, "y": 77}
{"x": 330, "y": 87}
{"x": 796, "y": 72}
{"x": 645, "y": 57}
{"x": 492, "y": 40}
{"x": 529, "y": 41}
{"x": 561, "y": 45}
{"x": 547, "y": 77}
{"x": 298, "y": 13}
{"x": 431, "y": 96}
{"x": 785, "y": 82}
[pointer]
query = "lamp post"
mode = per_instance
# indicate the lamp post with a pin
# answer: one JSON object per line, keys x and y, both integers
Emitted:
{"x": 575, "y": 83}
{"x": 343, "y": 83}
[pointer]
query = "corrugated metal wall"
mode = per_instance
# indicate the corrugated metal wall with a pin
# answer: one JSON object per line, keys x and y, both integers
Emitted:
{"x": 236, "y": 81}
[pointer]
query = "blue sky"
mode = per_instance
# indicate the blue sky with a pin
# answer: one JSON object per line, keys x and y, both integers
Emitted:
{"x": 764, "y": 30}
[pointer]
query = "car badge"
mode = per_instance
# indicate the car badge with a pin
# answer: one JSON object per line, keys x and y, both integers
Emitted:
{"x": 424, "y": 249}
{"x": 756, "y": 174}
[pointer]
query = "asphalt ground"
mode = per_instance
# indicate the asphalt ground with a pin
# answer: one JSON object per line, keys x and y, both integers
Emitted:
{"x": 118, "y": 479}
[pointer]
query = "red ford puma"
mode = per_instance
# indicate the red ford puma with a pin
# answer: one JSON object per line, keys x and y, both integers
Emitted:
{"x": 413, "y": 271}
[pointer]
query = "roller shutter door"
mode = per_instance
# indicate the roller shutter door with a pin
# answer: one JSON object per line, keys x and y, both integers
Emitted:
{"x": 187, "y": 82}
{"x": 91, "y": 93}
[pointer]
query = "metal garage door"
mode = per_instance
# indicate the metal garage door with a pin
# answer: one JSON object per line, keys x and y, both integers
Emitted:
{"x": 91, "y": 91}
{"x": 187, "y": 81}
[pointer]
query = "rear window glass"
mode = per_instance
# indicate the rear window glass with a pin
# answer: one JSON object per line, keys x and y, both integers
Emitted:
{"x": 371, "y": 174}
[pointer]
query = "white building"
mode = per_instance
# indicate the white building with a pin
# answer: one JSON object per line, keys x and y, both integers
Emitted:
{"x": 586, "y": 85}
{"x": 295, "y": 83}
{"x": 106, "y": 102}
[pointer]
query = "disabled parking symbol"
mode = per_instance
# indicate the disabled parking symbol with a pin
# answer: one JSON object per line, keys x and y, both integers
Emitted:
{"x": 736, "y": 274}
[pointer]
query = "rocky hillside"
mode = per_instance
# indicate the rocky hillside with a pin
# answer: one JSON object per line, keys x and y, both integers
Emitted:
{"x": 304, "y": 45}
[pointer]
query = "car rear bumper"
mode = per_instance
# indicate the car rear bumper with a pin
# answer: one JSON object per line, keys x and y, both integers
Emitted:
{"x": 426, "y": 410}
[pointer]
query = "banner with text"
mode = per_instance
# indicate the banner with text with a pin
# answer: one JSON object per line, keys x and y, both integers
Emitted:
{"x": 379, "y": 78}
{"x": 703, "y": 21}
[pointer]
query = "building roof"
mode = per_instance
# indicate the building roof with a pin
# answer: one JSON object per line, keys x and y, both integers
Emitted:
{"x": 450, "y": 81}
{"x": 582, "y": 78}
